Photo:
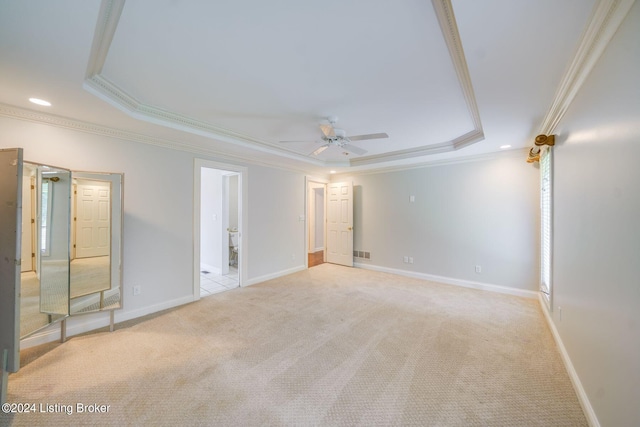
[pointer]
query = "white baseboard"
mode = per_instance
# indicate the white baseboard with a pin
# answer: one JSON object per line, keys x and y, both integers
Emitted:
{"x": 451, "y": 281}
{"x": 589, "y": 413}
{"x": 91, "y": 321}
{"x": 273, "y": 275}
{"x": 78, "y": 304}
{"x": 210, "y": 268}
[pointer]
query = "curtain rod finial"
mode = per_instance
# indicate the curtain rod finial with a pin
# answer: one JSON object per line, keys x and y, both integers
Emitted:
{"x": 549, "y": 140}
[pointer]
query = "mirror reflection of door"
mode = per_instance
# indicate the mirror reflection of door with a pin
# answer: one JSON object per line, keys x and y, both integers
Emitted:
{"x": 90, "y": 270}
{"x": 93, "y": 222}
{"x": 91, "y": 236}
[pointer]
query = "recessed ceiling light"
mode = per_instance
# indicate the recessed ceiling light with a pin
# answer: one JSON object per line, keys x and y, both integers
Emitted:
{"x": 332, "y": 171}
{"x": 504, "y": 147}
{"x": 40, "y": 102}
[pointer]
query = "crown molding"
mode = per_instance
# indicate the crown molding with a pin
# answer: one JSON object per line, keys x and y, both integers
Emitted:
{"x": 409, "y": 153}
{"x": 100, "y": 86}
{"x": 495, "y": 155}
{"x": 106, "y": 90}
{"x": 108, "y": 18}
{"x": 18, "y": 113}
{"x": 449, "y": 28}
{"x": 456, "y": 144}
{"x": 605, "y": 19}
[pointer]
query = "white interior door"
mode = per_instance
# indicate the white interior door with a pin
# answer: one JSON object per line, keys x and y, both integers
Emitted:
{"x": 340, "y": 223}
{"x": 93, "y": 224}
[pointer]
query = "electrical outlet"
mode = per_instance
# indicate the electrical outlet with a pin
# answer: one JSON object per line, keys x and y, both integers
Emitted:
{"x": 136, "y": 290}
{"x": 478, "y": 269}
{"x": 405, "y": 259}
{"x": 293, "y": 257}
{"x": 410, "y": 260}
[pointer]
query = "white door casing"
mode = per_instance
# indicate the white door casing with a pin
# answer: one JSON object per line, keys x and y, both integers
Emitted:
{"x": 243, "y": 191}
{"x": 340, "y": 223}
{"x": 28, "y": 222}
{"x": 224, "y": 232}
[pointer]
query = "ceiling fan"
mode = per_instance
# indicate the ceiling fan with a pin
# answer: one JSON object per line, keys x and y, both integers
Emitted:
{"x": 338, "y": 138}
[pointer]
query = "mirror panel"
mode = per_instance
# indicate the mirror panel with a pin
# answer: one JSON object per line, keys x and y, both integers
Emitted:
{"x": 45, "y": 247}
{"x": 96, "y": 237}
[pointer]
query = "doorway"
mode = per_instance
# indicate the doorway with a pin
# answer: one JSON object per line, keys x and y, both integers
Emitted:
{"x": 316, "y": 214}
{"x": 218, "y": 226}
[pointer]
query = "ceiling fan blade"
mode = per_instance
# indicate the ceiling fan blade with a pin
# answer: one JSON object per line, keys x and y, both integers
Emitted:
{"x": 298, "y": 141}
{"x": 327, "y": 130}
{"x": 353, "y": 149}
{"x": 369, "y": 136}
{"x": 320, "y": 150}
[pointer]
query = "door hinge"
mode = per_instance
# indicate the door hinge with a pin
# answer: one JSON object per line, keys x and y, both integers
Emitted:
{"x": 33, "y": 221}
{"x": 33, "y": 255}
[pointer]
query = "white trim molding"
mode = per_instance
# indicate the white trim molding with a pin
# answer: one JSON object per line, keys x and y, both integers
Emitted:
{"x": 275, "y": 275}
{"x": 589, "y": 413}
{"x": 452, "y": 281}
{"x": 18, "y": 113}
{"x": 605, "y": 19}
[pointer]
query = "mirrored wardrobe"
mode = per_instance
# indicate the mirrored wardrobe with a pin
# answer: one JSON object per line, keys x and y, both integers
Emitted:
{"x": 60, "y": 249}
{"x": 71, "y": 244}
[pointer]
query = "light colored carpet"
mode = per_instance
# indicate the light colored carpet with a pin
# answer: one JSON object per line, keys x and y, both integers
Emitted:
{"x": 90, "y": 275}
{"x": 326, "y": 346}
{"x": 31, "y": 319}
{"x": 54, "y": 296}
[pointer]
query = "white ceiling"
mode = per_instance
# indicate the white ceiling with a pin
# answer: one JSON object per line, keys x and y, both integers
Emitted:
{"x": 238, "y": 77}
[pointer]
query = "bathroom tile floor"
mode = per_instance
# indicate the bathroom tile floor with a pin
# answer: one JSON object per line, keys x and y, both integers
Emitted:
{"x": 211, "y": 283}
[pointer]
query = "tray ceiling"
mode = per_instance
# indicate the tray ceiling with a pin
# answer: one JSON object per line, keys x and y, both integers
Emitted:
{"x": 461, "y": 77}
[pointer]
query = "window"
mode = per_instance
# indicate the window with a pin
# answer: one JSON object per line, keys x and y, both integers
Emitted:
{"x": 546, "y": 223}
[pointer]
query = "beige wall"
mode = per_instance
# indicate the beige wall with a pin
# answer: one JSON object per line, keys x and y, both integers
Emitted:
{"x": 482, "y": 212}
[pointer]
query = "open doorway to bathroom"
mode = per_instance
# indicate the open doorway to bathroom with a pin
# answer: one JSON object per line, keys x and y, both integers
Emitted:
{"x": 218, "y": 221}
{"x": 316, "y": 214}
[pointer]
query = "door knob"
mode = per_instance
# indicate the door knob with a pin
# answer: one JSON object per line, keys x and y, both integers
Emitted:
{"x": 350, "y": 228}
